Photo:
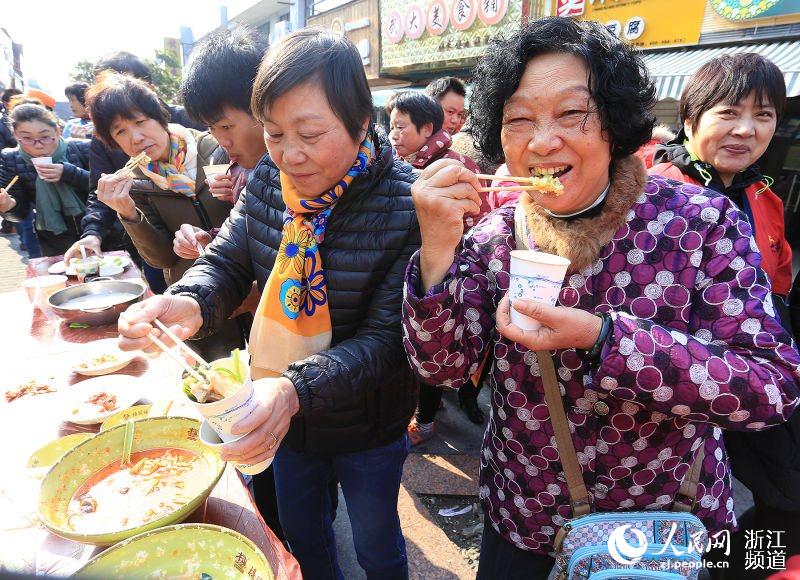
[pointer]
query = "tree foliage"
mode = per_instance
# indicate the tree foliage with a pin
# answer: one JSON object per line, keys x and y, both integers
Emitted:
{"x": 83, "y": 71}
{"x": 166, "y": 73}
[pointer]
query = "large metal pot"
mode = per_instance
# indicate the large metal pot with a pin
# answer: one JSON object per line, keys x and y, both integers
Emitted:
{"x": 118, "y": 294}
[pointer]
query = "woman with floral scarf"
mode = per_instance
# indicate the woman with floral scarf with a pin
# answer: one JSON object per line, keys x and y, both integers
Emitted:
{"x": 158, "y": 196}
{"x": 326, "y": 226}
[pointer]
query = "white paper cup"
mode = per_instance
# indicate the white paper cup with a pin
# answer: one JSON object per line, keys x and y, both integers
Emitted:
{"x": 40, "y": 160}
{"x": 214, "y": 170}
{"x": 224, "y": 413}
{"x": 210, "y": 438}
{"x": 535, "y": 276}
{"x": 40, "y": 288}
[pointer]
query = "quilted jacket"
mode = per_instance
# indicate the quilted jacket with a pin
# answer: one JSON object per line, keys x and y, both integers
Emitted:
{"x": 359, "y": 393}
{"x": 694, "y": 349}
{"x": 76, "y": 174}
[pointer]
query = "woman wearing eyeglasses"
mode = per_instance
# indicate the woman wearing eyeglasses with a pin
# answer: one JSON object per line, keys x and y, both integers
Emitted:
{"x": 56, "y": 190}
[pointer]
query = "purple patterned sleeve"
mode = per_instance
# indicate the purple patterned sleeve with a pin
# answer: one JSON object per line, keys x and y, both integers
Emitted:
{"x": 446, "y": 332}
{"x": 731, "y": 364}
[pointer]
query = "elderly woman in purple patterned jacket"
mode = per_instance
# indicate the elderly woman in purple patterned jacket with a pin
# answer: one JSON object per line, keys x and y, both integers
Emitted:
{"x": 664, "y": 333}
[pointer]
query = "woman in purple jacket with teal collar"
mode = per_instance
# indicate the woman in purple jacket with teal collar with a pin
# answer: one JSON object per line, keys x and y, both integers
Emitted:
{"x": 664, "y": 333}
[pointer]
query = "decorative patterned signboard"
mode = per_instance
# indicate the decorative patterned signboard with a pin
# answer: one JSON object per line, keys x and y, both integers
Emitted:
{"x": 420, "y": 33}
{"x": 742, "y": 9}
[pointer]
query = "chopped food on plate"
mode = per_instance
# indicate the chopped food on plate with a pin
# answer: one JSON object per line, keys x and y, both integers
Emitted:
{"x": 30, "y": 388}
{"x": 98, "y": 361}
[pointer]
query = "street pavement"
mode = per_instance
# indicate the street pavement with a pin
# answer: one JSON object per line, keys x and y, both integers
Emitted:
{"x": 444, "y": 466}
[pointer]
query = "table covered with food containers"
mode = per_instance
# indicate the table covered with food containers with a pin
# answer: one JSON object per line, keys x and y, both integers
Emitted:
{"x": 65, "y": 504}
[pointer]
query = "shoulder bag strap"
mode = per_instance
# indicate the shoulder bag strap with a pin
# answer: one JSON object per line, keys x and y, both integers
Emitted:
{"x": 579, "y": 497}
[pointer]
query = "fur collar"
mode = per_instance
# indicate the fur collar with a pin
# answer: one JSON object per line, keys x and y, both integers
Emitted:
{"x": 581, "y": 240}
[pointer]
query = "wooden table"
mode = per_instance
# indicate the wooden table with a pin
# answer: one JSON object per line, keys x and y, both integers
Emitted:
{"x": 37, "y": 346}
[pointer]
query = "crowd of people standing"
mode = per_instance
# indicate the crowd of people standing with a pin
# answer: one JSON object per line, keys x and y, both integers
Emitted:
{"x": 367, "y": 271}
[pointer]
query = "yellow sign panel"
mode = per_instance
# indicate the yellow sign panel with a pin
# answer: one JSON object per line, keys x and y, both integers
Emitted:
{"x": 647, "y": 23}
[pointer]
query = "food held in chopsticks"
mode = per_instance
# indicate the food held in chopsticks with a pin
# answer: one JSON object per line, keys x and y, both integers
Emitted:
{"x": 29, "y": 388}
{"x": 133, "y": 163}
{"x": 547, "y": 184}
{"x": 219, "y": 382}
{"x": 546, "y": 181}
{"x": 158, "y": 482}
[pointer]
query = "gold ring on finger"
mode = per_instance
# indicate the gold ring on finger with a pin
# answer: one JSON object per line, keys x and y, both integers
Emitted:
{"x": 274, "y": 441}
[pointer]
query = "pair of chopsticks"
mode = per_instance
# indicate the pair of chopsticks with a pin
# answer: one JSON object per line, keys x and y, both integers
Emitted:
{"x": 132, "y": 164}
{"x": 11, "y": 183}
{"x": 175, "y": 356}
{"x": 521, "y": 180}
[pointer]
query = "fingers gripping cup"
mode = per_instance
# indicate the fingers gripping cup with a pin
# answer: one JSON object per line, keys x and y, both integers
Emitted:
{"x": 535, "y": 276}
{"x": 41, "y": 161}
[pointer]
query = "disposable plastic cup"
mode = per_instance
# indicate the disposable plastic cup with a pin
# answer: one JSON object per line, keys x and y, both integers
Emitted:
{"x": 212, "y": 439}
{"x": 40, "y": 288}
{"x": 535, "y": 276}
{"x": 40, "y": 160}
{"x": 222, "y": 414}
{"x": 214, "y": 170}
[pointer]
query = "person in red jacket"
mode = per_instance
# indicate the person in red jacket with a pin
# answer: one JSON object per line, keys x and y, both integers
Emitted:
{"x": 730, "y": 109}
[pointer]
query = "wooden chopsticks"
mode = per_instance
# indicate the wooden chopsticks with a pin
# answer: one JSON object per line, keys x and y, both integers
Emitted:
{"x": 180, "y": 343}
{"x": 504, "y": 178}
{"x": 12, "y": 182}
{"x": 132, "y": 164}
{"x": 177, "y": 358}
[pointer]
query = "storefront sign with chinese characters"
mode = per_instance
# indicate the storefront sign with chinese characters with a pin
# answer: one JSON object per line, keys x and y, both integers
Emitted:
{"x": 566, "y": 8}
{"x": 438, "y": 17}
{"x": 643, "y": 23}
{"x": 421, "y": 32}
{"x": 415, "y": 22}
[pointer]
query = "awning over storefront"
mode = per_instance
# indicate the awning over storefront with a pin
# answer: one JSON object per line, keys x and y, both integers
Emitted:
{"x": 671, "y": 70}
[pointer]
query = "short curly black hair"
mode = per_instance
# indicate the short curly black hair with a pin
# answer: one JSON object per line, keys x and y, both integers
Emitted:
{"x": 618, "y": 81}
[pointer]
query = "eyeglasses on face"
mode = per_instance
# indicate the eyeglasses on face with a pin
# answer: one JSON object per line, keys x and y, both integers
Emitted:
{"x": 42, "y": 140}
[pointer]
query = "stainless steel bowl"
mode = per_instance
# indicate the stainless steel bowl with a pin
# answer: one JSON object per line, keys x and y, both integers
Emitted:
{"x": 120, "y": 293}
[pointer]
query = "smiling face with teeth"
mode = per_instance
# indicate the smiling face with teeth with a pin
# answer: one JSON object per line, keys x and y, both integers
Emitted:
{"x": 551, "y": 127}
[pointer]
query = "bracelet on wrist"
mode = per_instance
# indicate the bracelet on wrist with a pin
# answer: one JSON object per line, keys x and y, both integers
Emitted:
{"x": 592, "y": 356}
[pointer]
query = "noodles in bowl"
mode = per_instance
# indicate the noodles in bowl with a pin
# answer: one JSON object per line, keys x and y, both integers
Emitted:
{"x": 90, "y": 497}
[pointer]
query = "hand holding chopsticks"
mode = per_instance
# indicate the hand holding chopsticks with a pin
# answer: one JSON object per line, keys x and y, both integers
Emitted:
{"x": 132, "y": 164}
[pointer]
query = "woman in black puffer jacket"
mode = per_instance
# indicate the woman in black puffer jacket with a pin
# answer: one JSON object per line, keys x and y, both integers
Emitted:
{"x": 57, "y": 191}
{"x": 327, "y": 331}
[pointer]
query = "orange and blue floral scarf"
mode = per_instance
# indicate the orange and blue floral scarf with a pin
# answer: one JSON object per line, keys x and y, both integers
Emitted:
{"x": 292, "y": 321}
{"x": 172, "y": 175}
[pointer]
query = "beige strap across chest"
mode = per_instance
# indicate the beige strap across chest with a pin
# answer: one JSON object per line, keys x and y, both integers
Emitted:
{"x": 579, "y": 495}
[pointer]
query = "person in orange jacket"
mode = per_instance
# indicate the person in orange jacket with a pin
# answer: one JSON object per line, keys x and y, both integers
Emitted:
{"x": 730, "y": 109}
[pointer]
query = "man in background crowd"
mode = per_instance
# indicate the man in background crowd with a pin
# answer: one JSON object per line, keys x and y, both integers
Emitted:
{"x": 451, "y": 94}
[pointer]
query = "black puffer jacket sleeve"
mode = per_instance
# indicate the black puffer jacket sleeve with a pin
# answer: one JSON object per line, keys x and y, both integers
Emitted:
{"x": 76, "y": 171}
{"x": 220, "y": 280}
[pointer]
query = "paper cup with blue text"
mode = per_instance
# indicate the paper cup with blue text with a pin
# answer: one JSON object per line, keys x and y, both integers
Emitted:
{"x": 535, "y": 276}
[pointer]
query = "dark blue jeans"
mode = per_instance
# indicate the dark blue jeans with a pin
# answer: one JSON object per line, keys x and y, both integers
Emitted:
{"x": 27, "y": 235}
{"x": 370, "y": 483}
